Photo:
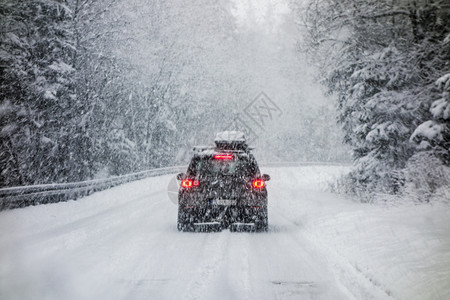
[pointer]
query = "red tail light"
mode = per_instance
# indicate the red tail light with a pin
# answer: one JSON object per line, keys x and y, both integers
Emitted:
{"x": 223, "y": 156}
{"x": 258, "y": 183}
{"x": 188, "y": 183}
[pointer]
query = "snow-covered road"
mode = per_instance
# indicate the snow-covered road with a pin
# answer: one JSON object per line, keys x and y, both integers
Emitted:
{"x": 123, "y": 244}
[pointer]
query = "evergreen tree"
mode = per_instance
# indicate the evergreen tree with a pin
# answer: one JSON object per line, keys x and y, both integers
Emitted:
{"x": 380, "y": 59}
{"x": 39, "y": 126}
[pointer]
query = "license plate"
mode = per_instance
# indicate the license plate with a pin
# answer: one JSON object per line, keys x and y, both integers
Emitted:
{"x": 225, "y": 202}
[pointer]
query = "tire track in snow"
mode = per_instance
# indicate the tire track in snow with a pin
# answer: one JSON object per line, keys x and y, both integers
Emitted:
{"x": 348, "y": 276}
{"x": 233, "y": 281}
{"x": 213, "y": 252}
{"x": 293, "y": 269}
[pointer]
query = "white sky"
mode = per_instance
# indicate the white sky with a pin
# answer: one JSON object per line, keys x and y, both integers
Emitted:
{"x": 265, "y": 15}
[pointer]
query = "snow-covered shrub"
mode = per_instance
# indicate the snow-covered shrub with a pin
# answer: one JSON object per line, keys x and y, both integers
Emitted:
{"x": 426, "y": 179}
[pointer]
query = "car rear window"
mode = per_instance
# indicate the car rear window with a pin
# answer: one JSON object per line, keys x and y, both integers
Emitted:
{"x": 208, "y": 166}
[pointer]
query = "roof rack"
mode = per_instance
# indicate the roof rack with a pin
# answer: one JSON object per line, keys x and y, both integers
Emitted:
{"x": 227, "y": 141}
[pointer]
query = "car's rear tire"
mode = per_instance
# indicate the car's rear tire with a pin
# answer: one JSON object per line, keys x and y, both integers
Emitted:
{"x": 185, "y": 220}
{"x": 263, "y": 223}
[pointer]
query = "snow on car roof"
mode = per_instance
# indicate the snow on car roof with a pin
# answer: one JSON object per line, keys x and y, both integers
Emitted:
{"x": 230, "y": 136}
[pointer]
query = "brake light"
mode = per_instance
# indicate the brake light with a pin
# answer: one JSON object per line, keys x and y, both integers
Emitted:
{"x": 188, "y": 183}
{"x": 223, "y": 156}
{"x": 258, "y": 183}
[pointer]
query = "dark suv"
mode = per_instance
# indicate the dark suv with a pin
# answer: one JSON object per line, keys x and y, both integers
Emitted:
{"x": 223, "y": 188}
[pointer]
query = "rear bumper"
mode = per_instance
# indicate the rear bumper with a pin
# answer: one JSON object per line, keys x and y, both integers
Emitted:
{"x": 222, "y": 217}
{"x": 216, "y": 226}
{"x": 202, "y": 203}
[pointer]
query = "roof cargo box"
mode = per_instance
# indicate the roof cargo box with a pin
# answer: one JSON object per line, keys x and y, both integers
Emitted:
{"x": 231, "y": 140}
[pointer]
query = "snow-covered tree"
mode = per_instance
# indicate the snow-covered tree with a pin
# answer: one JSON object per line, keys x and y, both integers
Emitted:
{"x": 380, "y": 59}
{"x": 434, "y": 135}
{"x": 427, "y": 173}
{"x": 37, "y": 92}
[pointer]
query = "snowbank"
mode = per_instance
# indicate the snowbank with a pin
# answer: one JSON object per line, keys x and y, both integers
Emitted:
{"x": 403, "y": 252}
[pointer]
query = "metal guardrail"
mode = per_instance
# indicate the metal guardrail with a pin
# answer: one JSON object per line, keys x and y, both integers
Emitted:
{"x": 22, "y": 196}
